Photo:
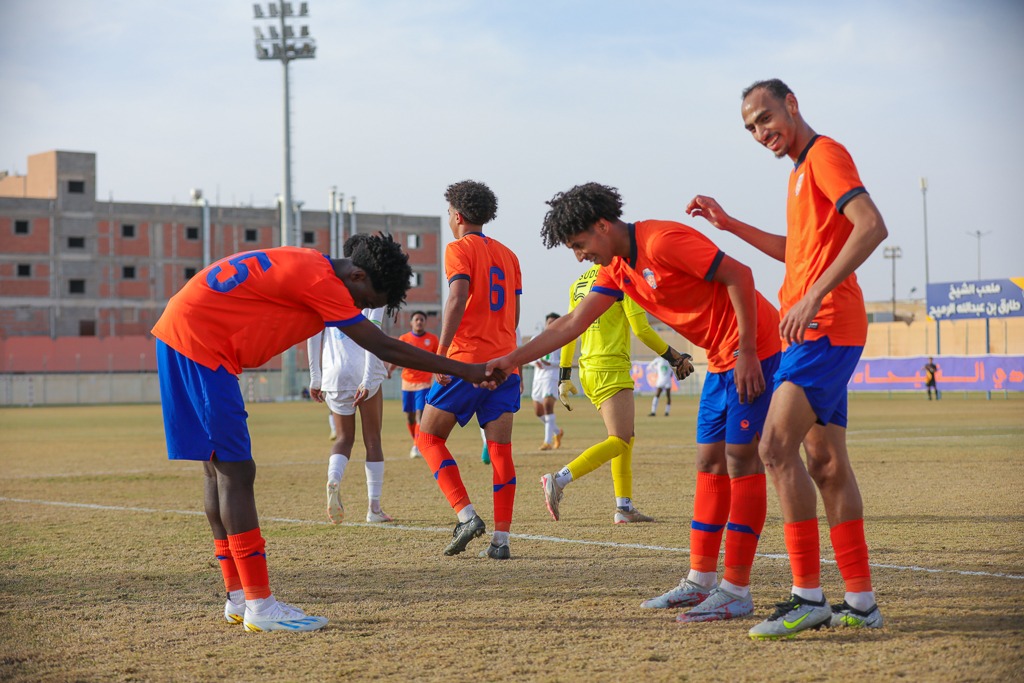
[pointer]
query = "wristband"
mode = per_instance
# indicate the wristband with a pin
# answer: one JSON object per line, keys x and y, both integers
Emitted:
{"x": 564, "y": 374}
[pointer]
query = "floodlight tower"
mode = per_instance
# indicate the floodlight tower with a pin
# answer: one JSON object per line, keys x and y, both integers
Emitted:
{"x": 282, "y": 43}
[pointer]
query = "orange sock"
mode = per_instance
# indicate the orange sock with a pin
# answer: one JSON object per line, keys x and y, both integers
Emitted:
{"x": 249, "y": 550}
{"x": 227, "y": 565}
{"x": 503, "y": 475}
{"x": 445, "y": 469}
{"x": 412, "y": 429}
{"x": 710, "y": 513}
{"x": 804, "y": 548}
{"x": 747, "y": 511}
{"x": 852, "y": 555}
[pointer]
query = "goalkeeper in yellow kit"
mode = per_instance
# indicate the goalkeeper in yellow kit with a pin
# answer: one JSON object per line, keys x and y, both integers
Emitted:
{"x": 605, "y": 377}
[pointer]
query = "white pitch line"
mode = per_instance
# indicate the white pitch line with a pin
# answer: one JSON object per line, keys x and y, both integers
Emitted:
{"x": 525, "y": 537}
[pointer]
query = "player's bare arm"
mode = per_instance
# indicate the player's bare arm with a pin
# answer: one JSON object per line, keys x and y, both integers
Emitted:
{"x": 739, "y": 283}
{"x": 711, "y": 211}
{"x": 392, "y": 350}
{"x": 454, "y": 309}
{"x": 868, "y": 232}
{"x": 556, "y": 335}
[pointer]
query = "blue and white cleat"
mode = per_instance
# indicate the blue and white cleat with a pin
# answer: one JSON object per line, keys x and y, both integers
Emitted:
{"x": 281, "y": 617}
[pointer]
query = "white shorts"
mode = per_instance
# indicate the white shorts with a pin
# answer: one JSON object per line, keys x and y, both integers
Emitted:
{"x": 340, "y": 402}
{"x": 545, "y": 383}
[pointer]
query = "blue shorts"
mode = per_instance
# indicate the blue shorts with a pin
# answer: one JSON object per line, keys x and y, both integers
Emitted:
{"x": 463, "y": 400}
{"x": 823, "y": 371}
{"x": 413, "y": 401}
{"x": 721, "y": 416}
{"x": 203, "y": 410}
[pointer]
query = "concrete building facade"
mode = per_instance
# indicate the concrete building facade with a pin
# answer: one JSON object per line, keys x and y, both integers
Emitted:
{"x": 75, "y": 266}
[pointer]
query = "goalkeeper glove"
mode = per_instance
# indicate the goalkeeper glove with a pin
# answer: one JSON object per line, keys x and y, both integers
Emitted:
{"x": 680, "y": 362}
{"x": 565, "y": 386}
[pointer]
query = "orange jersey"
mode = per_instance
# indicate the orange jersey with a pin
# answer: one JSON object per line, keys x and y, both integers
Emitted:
{"x": 428, "y": 343}
{"x": 669, "y": 273}
{"x": 823, "y": 180}
{"x": 488, "y": 327}
{"x": 245, "y": 309}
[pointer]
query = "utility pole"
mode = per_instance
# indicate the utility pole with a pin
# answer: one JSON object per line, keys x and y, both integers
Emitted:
{"x": 282, "y": 44}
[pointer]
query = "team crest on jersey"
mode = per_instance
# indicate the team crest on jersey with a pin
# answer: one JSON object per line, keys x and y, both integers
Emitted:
{"x": 799, "y": 184}
{"x": 649, "y": 278}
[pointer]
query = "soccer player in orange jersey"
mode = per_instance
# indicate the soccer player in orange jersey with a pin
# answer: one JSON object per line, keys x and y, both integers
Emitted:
{"x": 416, "y": 383}
{"x": 240, "y": 312}
{"x": 480, "y": 320}
{"x": 680, "y": 277}
{"x": 832, "y": 226}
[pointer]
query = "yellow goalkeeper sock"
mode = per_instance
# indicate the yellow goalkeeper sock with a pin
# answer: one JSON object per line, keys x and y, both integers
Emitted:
{"x": 622, "y": 472}
{"x": 597, "y": 455}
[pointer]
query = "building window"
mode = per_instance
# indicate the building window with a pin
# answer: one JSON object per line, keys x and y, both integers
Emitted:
{"x": 20, "y": 227}
{"x": 128, "y": 272}
{"x": 416, "y": 280}
{"x": 76, "y": 186}
{"x": 252, "y": 235}
{"x": 86, "y": 328}
{"x": 24, "y": 270}
{"x": 412, "y": 241}
{"x": 191, "y": 233}
{"x": 127, "y": 230}
{"x": 76, "y": 243}
{"x": 308, "y": 237}
{"x": 190, "y": 273}
{"x": 76, "y": 286}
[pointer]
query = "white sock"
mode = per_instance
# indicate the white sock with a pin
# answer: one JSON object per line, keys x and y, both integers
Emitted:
{"x": 260, "y": 604}
{"x": 668, "y": 408}
{"x": 467, "y": 513}
{"x": 705, "y": 579}
{"x": 563, "y": 478}
{"x": 236, "y": 596}
{"x": 625, "y": 503}
{"x": 654, "y": 404}
{"x": 553, "y": 424}
{"x": 812, "y": 594}
{"x": 330, "y": 421}
{"x": 499, "y": 538}
{"x": 740, "y": 591}
{"x": 374, "y": 483}
{"x": 547, "y": 427}
{"x": 336, "y": 466}
{"x": 861, "y": 601}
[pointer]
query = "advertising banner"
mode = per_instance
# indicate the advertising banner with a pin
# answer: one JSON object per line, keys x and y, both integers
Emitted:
{"x": 955, "y": 373}
{"x": 978, "y": 299}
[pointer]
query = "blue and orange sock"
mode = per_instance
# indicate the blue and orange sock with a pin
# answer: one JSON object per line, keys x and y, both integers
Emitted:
{"x": 710, "y": 514}
{"x": 747, "y": 511}
{"x": 503, "y": 475}
{"x": 446, "y": 471}
{"x": 249, "y": 551}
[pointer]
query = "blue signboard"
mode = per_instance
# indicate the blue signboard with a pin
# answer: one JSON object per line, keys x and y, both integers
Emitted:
{"x": 977, "y": 299}
{"x": 955, "y": 373}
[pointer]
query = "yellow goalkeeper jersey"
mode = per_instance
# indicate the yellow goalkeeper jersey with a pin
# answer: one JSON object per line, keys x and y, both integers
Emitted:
{"x": 605, "y": 344}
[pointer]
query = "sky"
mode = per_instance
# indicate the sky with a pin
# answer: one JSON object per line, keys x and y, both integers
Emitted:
{"x": 533, "y": 97}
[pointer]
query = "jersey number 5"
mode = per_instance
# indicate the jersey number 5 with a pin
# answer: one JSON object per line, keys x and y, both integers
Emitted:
{"x": 241, "y": 271}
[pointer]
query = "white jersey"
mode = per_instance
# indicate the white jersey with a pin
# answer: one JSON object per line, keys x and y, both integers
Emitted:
{"x": 336, "y": 363}
{"x": 664, "y": 370}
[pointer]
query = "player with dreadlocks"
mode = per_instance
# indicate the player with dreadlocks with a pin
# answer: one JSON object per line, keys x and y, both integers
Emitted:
{"x": 238, "y": 313}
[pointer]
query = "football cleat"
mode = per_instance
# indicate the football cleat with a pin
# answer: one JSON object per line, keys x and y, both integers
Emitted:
{"x": 281, "y": 617}
{"x": 720, "y": 605}
{"x": 686, "y": 594}
{"x": 792, "y": 617}
{"x": 844, "y": 615}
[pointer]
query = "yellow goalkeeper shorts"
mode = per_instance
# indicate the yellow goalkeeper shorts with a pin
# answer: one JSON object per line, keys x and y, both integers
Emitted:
{"x": 601, "y": 385}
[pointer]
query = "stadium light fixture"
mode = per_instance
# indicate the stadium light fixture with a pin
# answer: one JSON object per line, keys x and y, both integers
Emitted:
{"x": 285, "y": 45}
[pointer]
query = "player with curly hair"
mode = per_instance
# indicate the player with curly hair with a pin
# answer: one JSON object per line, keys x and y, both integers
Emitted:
{"x": 680, "y": 277}
{"x": 832, "y": 227}
{"x": 480, "y": 320}
{"x": 240, "y": 312}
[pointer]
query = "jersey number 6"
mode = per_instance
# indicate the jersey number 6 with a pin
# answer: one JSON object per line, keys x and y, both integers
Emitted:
{"x": 497, "y": 295}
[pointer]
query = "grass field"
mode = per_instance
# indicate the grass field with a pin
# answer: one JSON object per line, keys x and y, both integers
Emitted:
{"x": 107, "y": 570}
